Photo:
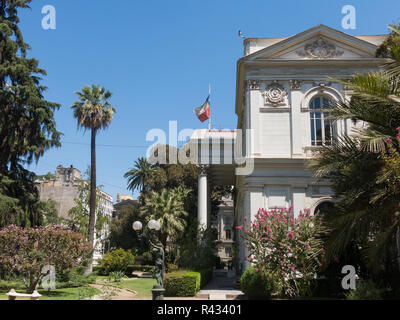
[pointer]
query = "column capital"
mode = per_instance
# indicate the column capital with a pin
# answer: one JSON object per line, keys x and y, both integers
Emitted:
{"x": 202, "y": 169}
{"x": 295, "y": 84}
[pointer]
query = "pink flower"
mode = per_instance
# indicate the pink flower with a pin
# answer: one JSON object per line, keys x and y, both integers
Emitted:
{"x": 239, "y": 227}
{"x": 245, "y": 219}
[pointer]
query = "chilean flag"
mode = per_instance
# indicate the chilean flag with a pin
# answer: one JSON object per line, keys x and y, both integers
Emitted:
{"x": 203, "y": 112}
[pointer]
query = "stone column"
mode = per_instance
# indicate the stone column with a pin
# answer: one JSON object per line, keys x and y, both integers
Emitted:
{"x": 202, "y": 197}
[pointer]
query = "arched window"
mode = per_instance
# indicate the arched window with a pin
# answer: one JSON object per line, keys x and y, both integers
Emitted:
{"x": 322, "y": 129}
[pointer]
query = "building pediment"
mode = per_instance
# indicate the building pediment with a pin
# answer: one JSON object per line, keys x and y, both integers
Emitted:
{"x": 318, "y": 43}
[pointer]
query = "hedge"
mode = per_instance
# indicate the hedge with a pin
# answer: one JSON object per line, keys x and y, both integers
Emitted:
{"x": 185, "y": 285}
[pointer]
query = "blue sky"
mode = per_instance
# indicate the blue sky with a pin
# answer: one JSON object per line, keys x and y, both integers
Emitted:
{"x": 157, "y": 58}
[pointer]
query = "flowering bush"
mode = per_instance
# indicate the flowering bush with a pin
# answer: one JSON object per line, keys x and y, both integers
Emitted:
{"x": 285, "y": 247}
{"x": 390, "y": 176}
{"x": 27, "y": 251}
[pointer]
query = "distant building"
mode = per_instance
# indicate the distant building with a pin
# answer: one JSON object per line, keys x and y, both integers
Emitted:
{"x": 224, "y": 225}
{"x": 122, "y": 197}
{"x": 64, "y": 189}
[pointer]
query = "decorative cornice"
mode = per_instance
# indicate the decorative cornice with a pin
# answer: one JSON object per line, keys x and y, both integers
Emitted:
{"x": 320, "y": 49}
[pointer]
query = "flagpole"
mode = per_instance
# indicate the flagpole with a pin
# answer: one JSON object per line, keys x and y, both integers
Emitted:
{"x": 209, "y": 120}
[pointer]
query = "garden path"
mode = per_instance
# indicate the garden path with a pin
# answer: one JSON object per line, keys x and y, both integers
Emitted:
{"x": 221, "y": 287}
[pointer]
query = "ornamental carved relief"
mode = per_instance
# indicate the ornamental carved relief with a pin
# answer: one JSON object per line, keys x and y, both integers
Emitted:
{"x": 295, "y": 84}
{"x": 275, "y": 94}
{"x": 320, "y": 49}
{"x": 253, "y": 84}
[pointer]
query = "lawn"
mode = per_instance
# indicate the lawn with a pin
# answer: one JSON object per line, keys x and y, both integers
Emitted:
{"x": 78, "y": 293}
{"x": 141, "y": 286}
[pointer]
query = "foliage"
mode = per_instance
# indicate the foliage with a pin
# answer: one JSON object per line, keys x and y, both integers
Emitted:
{"x": 79, "y": 215}
{"x": 74, "y": 277}
{"x": 27, "y": 251}
{"x": 167, "y": 208}
{"x": 93, "y": 111}
{"x": 365, "y": 290}
{"x": 50, "y": 213}
{"x": 121, "y": 233}
{"x": 141, "y": 268}
{"x": 254, "y": 286}
{"x": 139, "y": 175}
{"x": 116, "y": 276}
{"x": 182, "y": 285}
{"x": 27, "y": 125}
{"x": 285, "y": 248}
{"x": 195, "y": 254}
{"x": 147, "y": 258}
{"x": 205, "y": 276}
{"x": 116, "y": 260}
{"x": 363, "y": 166}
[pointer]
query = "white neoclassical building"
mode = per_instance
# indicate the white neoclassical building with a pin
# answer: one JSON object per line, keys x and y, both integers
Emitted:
{"x": 284, "y": 92}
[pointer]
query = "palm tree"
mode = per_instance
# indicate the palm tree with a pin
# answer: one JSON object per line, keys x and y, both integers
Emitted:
{"x": 94, "y": 112}
{"x": 367, "y": 187}
{"x": 139, "y": 175}
{"x": 167, "y": 207}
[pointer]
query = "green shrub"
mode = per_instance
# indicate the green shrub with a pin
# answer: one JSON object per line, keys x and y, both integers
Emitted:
{"x": 116, "y": 260}
{"x": 365, "y": 290}
{"x": 178, "y": 284}
{"x": 147, "y": 258}
{"x": 254, "y": 286}
{"x": 116, "y": 276}
{"x": 74, "y": 277}
{"x": 172, "y": 267}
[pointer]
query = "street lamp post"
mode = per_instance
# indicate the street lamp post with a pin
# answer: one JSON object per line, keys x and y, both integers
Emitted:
{"x": 158, "y": 249}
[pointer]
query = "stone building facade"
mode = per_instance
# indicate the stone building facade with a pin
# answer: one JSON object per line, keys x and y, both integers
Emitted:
{"x": 64, "y": 189}
{"x": 284, "y": 92}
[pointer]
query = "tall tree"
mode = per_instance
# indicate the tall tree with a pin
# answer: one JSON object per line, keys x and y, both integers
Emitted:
{"x": 27, "y": 126}
{"x": 93, "y": 111}
{"x": 139, "y": 176}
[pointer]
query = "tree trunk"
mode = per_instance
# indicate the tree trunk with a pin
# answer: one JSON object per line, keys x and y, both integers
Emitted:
{"x": 93, "y": 189}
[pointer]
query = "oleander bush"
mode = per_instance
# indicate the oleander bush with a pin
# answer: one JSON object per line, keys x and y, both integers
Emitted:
{"x": 256, "y": 286}
{"x": 116, "y": 260}
{"x": 287, "y": 247}
{"x": 26, "y": 252}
